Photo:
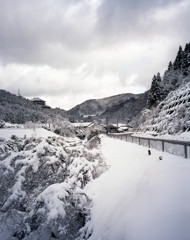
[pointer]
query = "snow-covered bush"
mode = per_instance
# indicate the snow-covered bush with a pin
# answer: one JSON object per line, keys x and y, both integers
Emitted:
{"x": 92, "y": 134}
{"x": 41, "y": 186}
{"x": 64, "y": 128}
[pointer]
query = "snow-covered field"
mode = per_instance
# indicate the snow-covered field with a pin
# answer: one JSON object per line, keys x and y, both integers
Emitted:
{"x": 39, "y": 132}
{"x": 54, "y": 187}
{"x": 140, "y": 197}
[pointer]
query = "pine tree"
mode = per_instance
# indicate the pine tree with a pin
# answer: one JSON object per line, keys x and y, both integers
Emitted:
{"x": 158, "y": 77}
{"x": 170, "y": 66}
{"x": 186, "y": 60}
{"x": 179, "y": 59}
{"x": 155, "y": 92}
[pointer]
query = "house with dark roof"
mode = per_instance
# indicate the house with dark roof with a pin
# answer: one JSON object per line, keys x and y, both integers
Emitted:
{"x": 38, "y": 101}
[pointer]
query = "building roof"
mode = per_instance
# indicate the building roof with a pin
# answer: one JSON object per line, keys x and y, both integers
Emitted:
{"x": 83, "y": 124}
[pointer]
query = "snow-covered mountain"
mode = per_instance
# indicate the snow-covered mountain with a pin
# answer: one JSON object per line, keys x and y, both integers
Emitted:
{"x": 95, "y": 107}
{"x": 122, "y": 108}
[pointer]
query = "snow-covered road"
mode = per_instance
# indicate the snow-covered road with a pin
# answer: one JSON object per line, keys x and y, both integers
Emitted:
{"x": 140, "y": 197}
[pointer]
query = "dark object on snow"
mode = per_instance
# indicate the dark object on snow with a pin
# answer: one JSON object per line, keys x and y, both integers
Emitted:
{"x": 149, "y": 152}
{"x": 160, "y": 158}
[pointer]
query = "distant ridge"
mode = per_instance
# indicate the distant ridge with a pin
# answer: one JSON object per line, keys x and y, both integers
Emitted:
{"x": 121, "y": 107}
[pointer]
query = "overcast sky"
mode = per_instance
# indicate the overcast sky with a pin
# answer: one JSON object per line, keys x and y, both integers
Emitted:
{"x": 68, "y": 51}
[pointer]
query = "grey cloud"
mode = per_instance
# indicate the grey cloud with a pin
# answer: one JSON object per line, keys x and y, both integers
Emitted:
{"x": 131, "y": 20}
{"x": 65, "y": 34}
{"x": 31, "y": 29}
{"x": 41, "y": 32}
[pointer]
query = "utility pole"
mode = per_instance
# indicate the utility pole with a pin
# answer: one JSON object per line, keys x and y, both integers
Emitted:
{"x": 107, "y": 131}
{"x": 19, "y": 92}
{"x": 107, "y": 121}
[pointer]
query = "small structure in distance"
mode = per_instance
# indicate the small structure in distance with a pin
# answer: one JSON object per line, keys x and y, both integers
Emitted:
{"x": 39, "y": 102}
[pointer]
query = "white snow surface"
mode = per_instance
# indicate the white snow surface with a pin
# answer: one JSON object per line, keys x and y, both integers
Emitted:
{"x": 39, "y": 132}
{"x": 140, "y": 197}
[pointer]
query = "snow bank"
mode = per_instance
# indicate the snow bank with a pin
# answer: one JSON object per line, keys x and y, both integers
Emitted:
{"x": 140, "y": 197}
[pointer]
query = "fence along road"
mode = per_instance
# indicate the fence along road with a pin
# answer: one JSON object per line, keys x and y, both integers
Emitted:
{"x": 180, "y": 148}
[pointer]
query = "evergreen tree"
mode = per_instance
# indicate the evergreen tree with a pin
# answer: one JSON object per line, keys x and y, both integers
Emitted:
{"x": 186, "y": 60}
{"x": 158, "y": 77}
{"x": 155, "y": 92}
{"x": 170, "y": 66}
{"x": 179, "y": 59}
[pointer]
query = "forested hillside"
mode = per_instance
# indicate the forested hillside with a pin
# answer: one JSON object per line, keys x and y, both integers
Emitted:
{"x": 169, "y": 98}
{"x": 178, "y": 73}
{"x": 16, "y": 109}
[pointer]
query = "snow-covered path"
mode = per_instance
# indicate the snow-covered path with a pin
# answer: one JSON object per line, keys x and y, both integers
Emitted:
{"x": 140, "y": 197}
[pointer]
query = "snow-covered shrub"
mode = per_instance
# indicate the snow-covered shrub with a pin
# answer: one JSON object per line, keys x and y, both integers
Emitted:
{"x": 64, "y": 128}
{"x": 94, "y": 142}
{"x": 42, "y": 184}
{"x": 31, "y": 125}
{"x": 92, "y": 134}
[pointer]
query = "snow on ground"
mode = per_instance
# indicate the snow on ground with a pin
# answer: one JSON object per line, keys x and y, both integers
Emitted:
{"x": 140, "y": 197}
{"x": 44, "y": 191}
{"x": 38, "y": 132}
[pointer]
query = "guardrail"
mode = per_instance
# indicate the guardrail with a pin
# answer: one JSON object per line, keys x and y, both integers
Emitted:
{"x": 180, "y": 148}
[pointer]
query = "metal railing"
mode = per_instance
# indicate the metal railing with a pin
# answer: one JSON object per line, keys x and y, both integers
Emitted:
{"x": 180, "y": 148}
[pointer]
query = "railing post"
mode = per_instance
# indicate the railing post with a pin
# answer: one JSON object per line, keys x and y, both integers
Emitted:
{"x": 185, "y": 150}
{"x": 138, "y": 141}
{"x": 162, "y": 145}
